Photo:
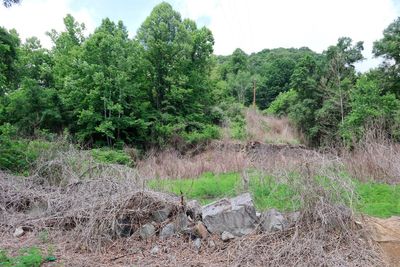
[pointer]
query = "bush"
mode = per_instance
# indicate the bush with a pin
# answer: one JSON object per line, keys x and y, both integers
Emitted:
{"x": 238, "y": 129}
{"x": 209, "y": 133}
{"x": 280, "y": 106}
{"x": 110, "y": 156}
{"x": 18, "y": 155}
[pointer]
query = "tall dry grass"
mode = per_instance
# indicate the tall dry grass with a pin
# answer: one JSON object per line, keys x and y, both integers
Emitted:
{"x": 374, "y": 158}
{"x": 269, "y": 129}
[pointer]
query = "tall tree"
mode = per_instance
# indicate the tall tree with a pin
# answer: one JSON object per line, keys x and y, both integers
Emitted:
{"x": 178, "y": 56}
{"x": 389, "y": 48}
{"x": 9, "y": 43}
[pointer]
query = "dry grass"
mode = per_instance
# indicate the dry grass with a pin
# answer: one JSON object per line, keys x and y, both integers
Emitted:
{"x": 82, "y": 217}
{"x": 81, "y": 204}
{"x": 172, "y": 164}
{"x": 374, "y": 158}
{"x": 269, "y": 129}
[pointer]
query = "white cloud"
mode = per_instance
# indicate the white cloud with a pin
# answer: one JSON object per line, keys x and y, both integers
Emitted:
{"x": 36, "y": 17}
{"x": 257, "y": 24}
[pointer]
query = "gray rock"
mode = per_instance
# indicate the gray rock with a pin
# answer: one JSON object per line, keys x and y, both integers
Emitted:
{"x": 181, "y": 222}
{"x": 197, "y": 243}
{"x": 155, "y": 250}
{"x": 147, "y": 231}
{"x": 292, "y": 218}
{"x": 161, "y": 215}
{"x": 236, "y": 215}
{"x": 226, "y": 236}
{"x": 18, "y": 232}
{"x": 122, "y": 227}
{"x": 194, "y": 210}
{"x": 167, "y": 231}
{"x": 272, "y": 220}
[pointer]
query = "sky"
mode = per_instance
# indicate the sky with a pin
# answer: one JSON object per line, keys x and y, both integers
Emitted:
{"x": 251, "y": 25}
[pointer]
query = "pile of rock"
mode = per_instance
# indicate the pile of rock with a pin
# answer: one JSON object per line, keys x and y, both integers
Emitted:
{"x": 229, "y": 218}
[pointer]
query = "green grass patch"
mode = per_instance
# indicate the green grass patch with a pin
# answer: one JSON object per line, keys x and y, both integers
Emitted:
{"x": 206, "y": 188}
{"x": 378, "y": 199}
{"x": 28, "y": 257}
{"x": 267, "y": 194}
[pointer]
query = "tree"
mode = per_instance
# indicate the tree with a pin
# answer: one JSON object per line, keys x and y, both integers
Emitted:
{"x": 369, "y": 107}
{"x": 389, "y": 48}
{"x": 9, "y": 43}
{"x": 177, "y": 56}
{"x": 336, "y": 84}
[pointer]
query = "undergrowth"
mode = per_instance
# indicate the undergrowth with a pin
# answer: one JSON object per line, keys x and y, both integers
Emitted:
{"x": 374, "y": 199}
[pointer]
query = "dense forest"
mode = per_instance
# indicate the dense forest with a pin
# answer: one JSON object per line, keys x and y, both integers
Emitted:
{"x": 165, "y": 86}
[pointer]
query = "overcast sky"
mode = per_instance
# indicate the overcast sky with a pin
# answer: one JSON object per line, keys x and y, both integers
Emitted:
{"x": 251, "y": 25}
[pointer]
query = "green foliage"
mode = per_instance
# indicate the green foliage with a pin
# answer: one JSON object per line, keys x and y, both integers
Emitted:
{"x": 110, "y": 156}
{"x": 9, "y": 42}
{"x": 369, "y": 106}
{"x": 207, "y": 134}
{"x": 28, "y": 257}
{"x": 164, "y": 84}
{"x": 282, "y": 103}
{"x": 378, "y": 199}
{"x": 18, "y": 155}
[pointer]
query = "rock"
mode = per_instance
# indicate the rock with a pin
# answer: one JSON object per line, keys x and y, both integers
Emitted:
{"x": 197, "y": 243}
{"x": 272, "y": 220}
{"x": 200, "y": 230}
{"x": 292, "y": 218}
{"x": 181, "y": 222}
{"x": 226, "y": 236}
{"x": 122, "y": 227}
{"x": 161, "y": 215}
{"x": 236, "y": 215}
{"x": 18, "y": 232}
{"x": 147, "y": 231}
{"x": 194, "y": 210}
{"x": 167, "y": 231}
{"x": 211, "y": 244}
{"x": 155, "y": 250}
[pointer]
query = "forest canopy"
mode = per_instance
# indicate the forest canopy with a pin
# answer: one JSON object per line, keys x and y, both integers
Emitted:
{"x": 166, "y": 87}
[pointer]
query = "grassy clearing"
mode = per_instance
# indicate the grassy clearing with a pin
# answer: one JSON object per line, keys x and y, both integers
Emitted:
{"x": 380, "y": 200}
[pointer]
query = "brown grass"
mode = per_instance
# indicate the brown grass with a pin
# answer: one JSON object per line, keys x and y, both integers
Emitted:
{"x": 269, "y": 129}
{"x": 172, "y": 164}
{"x": 374, "y": 158}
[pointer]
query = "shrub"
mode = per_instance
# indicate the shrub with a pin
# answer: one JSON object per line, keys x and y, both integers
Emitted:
{"x": 110, "y": 156}
{"x": 209, "y": 133}
{"x": 280, "y": 106}
{"x": 18, "y": 155}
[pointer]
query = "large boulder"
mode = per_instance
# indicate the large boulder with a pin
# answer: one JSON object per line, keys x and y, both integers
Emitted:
{"x": 236, "y": 215}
